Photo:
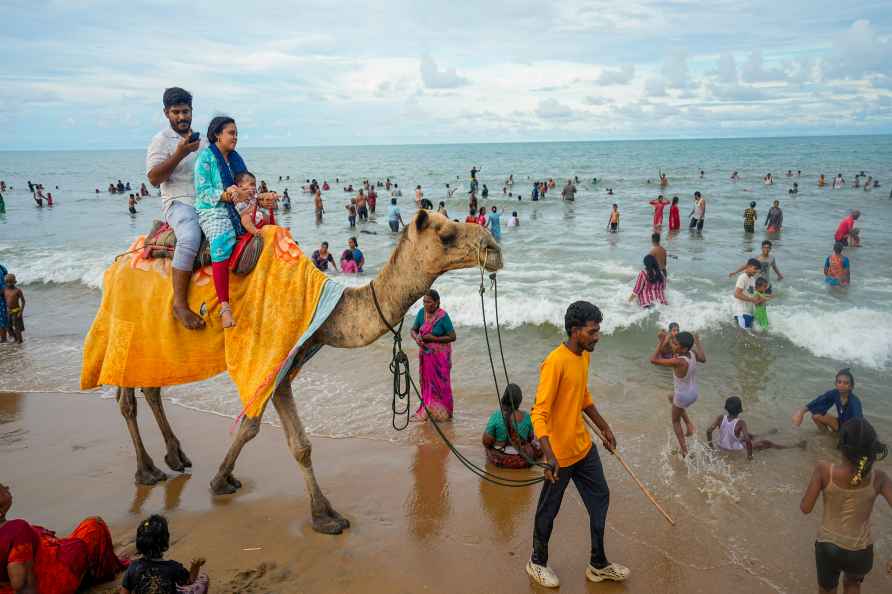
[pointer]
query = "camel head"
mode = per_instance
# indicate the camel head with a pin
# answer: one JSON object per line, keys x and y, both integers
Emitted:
{"x": 440, "y": 244}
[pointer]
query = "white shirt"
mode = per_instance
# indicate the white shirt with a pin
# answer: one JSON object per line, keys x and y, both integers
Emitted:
{"x": 748, "y": 284}
{"x": 180, "y": 186}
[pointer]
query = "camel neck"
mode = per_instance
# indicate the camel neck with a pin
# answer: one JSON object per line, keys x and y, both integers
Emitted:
{"x": 400, "y": 284}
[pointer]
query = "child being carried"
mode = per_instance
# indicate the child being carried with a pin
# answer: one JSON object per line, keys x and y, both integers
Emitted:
{"x": 253, "y": 216}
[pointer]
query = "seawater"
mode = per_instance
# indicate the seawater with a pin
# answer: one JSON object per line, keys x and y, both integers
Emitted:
{"x": 560, "y": 253}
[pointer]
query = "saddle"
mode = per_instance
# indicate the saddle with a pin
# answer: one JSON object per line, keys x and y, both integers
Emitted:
{"x": 161, "y": 242}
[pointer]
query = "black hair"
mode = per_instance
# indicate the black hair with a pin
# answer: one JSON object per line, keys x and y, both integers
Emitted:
{"x": 768, "y": 243}
{"x": 152, "y": 537}
{"x": 325, "y": 243}
{"x": 761, "y": 281}
{"x": 860, "y": 445}
{"x": 216, "y": 126}
{"x": 579, "y": 314}
{"x": 837, "y": 247}
{"x": 697, "y": 194}
{"x": 848, "y": 373}
{"x": 176, "y": 96}
{"x": 347, "y": 255}
{"x": 393, "y": 200}
{"x": 655, "y": 237}
{"x": 354, "y": 241}
{"x": 242, "y": 175}
{"x": 671, "y": 324}
{"x": 654, "y": 274}
{"x": 512, "y": 397}
{"x": 675, "y": 200}
{"x": 685, "y": 339}
{"x": 433, "y": 294}
{"x": 733, "y": 406}
{"x": 753, "y": 204}
{"x": 753, "y": 262}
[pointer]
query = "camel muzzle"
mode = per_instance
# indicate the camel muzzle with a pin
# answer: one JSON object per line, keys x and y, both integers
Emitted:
{"x": 490, "y": 256}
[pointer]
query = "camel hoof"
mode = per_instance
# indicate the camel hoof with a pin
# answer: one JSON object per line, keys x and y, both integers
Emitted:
{"x": 327, "y": 525}
{"x": 149, "y": 476}
{"x": 233, "y": 481}
{"x": 344, "y": 522}
{"x": 221, "y": 486}
{"x": 176, "y": 460}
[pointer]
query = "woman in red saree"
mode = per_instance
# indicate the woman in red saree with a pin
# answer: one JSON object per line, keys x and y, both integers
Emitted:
{"x": 434, "y": 334}
{"x": 34, "y": 561}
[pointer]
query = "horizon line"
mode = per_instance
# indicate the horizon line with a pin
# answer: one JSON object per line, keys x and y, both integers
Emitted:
{"x": 477, "y": 142}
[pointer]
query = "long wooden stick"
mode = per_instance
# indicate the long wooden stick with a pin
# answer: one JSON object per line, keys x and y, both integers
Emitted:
{"x": 641, "y": 486}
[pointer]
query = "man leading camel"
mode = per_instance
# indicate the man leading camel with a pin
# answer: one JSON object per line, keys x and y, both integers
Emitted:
{"x": 170, "y": 161}
{"x": 562, "y": 397}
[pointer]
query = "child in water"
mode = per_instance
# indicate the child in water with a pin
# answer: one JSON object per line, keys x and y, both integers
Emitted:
{"x": 844, "y": 545}
{"x": 513, "y": 221}
{"x": 749, "y": 219}
{"x": 666, "y": 350}
{"x": 253, "y": 216}
{"x": 613, "y": 223}
{"x": 836, "y": 267}
{"x": 760, "y": 312}
{"x": 688, "y": 353}
{"x": 734, "y": 434}
{"x": 351, "y": 213}
{"x": 151, "y": 573}
{"x": 15, "y": 309}
{"x": 348, "y": 264}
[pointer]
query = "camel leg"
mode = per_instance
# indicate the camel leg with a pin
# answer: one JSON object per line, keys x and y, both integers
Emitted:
{"x": 175, "y": 458}
{"x": 224, "y": 483}
{"x": 146, "y": 471}
{"x": 325, "y": 519}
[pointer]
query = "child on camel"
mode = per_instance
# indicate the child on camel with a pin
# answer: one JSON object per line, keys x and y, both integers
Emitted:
{"x": 734, "y": 435}
{"x": 253, "y": 216}
{"x": 151, "y": 573}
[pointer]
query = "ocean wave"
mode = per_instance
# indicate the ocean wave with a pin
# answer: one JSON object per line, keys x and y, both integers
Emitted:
{"x": 858, "y": 335}
{"x": 61, "y": 266}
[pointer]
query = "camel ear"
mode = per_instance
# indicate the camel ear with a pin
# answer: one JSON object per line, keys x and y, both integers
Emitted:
{"x": 422, "y": 220}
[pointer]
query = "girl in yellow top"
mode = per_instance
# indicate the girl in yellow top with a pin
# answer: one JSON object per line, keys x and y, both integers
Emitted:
{"x": 561, "y": 398}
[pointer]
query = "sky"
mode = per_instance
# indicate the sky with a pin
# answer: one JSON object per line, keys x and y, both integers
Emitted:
{"x": 89, "y": 74}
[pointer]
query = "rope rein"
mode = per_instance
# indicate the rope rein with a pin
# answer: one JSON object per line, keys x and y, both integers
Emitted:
{"x": 403, "y": 381}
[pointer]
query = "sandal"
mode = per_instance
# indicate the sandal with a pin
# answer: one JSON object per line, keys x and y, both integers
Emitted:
{"x": 226, "y": 315}
{"x": 543, "y": 575}
{"x": 614, "y": 572}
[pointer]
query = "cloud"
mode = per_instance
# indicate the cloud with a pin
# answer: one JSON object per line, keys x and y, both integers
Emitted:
{"x": 727, "y": 70}
{"x": 655, "y": 87}
{"x": 675, "y": 69}
{"x": 593, "y": 100}
{"x": 552, "y": 109}
{"x": 617, "y": 76}
{"x": 736, "y": 92}
{"x": 859, "y": 50}
{"x": 754, "y": 71}
{"x": 434, "y": 78}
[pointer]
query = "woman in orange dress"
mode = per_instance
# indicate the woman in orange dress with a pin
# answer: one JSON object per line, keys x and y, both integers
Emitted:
{"x": 33, "y": 560}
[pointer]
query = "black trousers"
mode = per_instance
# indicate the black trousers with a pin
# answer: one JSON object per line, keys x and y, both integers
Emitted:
{"x": 588, "y": 476}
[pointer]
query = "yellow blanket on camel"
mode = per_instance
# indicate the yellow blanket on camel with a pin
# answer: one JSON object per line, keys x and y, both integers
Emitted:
{"x": 136, "y": 342}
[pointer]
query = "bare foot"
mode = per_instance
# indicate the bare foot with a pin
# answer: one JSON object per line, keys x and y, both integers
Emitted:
{"x": 187, "y": 317}
{"x": 226, "y": 316}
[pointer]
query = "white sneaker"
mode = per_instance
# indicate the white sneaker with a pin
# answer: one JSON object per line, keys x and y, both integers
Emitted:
{"x": 614, "y": 572}
{"x": 543, "y": 575}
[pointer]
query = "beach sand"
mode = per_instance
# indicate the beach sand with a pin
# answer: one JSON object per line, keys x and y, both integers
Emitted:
{"x": 420, "y": 521}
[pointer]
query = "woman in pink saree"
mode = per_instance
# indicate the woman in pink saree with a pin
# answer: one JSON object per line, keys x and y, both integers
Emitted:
{"x": 434, "y": 334}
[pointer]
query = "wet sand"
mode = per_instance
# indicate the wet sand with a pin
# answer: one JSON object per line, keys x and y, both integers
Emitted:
{"x": 421, "y": 522}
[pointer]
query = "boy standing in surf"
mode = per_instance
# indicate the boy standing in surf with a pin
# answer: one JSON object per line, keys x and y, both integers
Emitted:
{"x": 688, "y": 353}
{"x": 562, "y": 397}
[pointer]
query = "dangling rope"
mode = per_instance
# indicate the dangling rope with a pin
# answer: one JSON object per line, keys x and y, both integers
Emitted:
{"x": 402, "y": 380}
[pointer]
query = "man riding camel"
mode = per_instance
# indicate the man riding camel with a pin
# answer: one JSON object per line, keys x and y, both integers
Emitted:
{"x": 170, "y": 164}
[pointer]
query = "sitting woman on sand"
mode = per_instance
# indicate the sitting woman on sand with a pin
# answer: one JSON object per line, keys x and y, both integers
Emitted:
{"x": 508, "y": 437}
{"x": 845, "y": 544}
{"x": 151, "y": 573}
{"x": 848, "y": 406}
{"x": 434, "y": 334}
{"x": 651, "y": 284}
{"x": 35, "y": 560}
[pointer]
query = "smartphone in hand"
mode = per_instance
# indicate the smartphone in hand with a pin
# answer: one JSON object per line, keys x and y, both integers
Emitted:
{"x": 194, "y": 137}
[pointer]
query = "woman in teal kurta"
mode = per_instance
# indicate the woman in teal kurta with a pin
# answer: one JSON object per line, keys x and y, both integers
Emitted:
{"x": 510, "y": 447}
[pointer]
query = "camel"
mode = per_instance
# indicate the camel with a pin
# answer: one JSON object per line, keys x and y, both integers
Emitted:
{"x": 430, "y": 246}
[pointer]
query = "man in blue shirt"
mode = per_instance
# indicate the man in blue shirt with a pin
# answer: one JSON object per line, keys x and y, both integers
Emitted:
{"x": 848, "y": 406}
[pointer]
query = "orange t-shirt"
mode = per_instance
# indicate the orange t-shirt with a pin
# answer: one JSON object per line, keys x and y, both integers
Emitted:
{"x": 560, "y": 398}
